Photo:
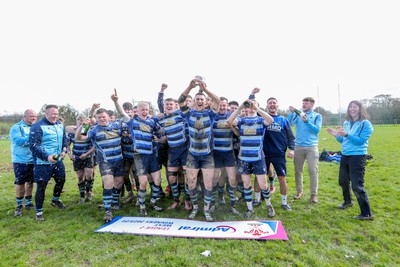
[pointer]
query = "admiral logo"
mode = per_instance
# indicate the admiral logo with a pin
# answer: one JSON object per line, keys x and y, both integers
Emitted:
{"x": 222, "y": 228}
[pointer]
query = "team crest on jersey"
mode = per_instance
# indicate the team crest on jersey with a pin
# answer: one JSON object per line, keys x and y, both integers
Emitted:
{"x": 249, "y": 131}
{"x": 198, "y": 124}
{"x": 112, "y": 134}
{"x": 169, "y": 123}
{"x": 145, "y": 128}
{"x": 222, "y": 125}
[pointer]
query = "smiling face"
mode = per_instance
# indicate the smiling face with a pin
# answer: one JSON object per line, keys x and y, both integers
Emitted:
{"x": 223, "y": 106}
{"x": 143, "y": 110}
{"x": 103, "y": 118}
{"x": 307, "y": 105}
{"x": 354, "y": 111}
{"x": 233, "y": 107}
{"x": 200, "y": 102}
{"x": 30, "y": 117}
{"x": 169, "y": 106}
{"x": 272, "y": 106}
{"x": 52, "y": 114}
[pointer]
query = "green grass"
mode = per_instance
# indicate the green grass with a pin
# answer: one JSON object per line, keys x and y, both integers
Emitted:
{"x": 319, "y": 234}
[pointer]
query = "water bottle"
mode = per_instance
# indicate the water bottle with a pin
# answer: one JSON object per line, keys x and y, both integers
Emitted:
{"x": 85, "y": 129}
{"x": 299, "y": 112}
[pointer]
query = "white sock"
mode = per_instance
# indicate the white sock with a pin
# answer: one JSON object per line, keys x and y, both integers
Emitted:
{"x": 249, "y": 205}
{"x": 268, "y": 201}
{"x": 257, "y": 196}
{"x": 284, "y": 199}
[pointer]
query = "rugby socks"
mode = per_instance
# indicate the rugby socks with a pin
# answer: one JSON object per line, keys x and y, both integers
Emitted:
{"x": 257, "y": 196}
{"x": 181, "y": 188}
{"x": 266, "y": 194}
{"x": 155, "y": 190}
{"x": 187, "y": 192}
{"x": 232, "y": 196}
{"x": 271, "y": 180}
{"x": 107, "y": 198}
{"x": 248, "y": 195}
{"x": 82, "y": 188}
{"x": 115, "y": 196}
{"x": 208, "y": 195}
{"x": 194, "y": 197}
{"x": 89, "y": 185}
{"x": 213, "y": 195}
{"x": 28, "y": 201}
{"x": 221, "y": 190}
{"x": 19, "y": 201}
{"x": 175, "y": 191}
{"x": 142, "y": 198}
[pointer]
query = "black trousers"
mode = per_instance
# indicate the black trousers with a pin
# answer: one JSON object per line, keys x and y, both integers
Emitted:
{"x": 41, "y": 190}
{"x": 352, "y": 169}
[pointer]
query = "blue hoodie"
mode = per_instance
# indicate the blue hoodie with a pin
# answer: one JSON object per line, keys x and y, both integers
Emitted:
{"x": 356, "y": 143}
{"x": 19, "y": 135}
{"x": 306, "y": 132}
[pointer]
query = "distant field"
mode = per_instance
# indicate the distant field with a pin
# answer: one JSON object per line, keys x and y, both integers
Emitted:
{"x": 319, "y": 234}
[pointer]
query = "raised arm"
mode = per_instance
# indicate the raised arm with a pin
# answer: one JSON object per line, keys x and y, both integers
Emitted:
{"x": 94, "y": 107}
{"x": 253, "y": 93}
{"x": 181, "y": 100}
{"x": 213, "y": 96}
{"x": 232, "y": 120}
{"x": 160, "y": 98}
{"x": 114, "y": 98}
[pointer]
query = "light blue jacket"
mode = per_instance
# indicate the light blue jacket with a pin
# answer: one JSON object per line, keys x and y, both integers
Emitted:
{"x": 45, "y": 139}
{"x": 306, "y": 132}
{"x": 356, "y": 143}
{"x": 19, "y": 135}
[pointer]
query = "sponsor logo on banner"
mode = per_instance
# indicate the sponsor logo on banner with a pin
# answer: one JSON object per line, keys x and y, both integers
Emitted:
{"x": 261, "y": 230}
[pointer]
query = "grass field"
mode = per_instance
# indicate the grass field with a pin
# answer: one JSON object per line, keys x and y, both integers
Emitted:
{"x": 319, "y": 234}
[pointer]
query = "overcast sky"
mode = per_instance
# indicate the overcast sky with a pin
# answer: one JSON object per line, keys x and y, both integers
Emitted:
{"x": 76, "y": 52}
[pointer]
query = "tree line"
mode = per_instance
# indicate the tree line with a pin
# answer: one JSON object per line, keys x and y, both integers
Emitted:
{"x": 383, "y": 109}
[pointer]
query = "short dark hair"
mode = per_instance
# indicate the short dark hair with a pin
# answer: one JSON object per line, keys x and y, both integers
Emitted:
{"x": 223, "y": 98}
{"x": 199, "y": 93}
{"x": 273, "y": 99}
{"x": 51, "y": 106}
{"x": 169, "y": 99}
{"x": 101, "y": 110}
{"x": 127, "y": 106}
{"x": 110, "y": 113}
{"x": 233, "y": 102}
{"x": 309, "y": 99}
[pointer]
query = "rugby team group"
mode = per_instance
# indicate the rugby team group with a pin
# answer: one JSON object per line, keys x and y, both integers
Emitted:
{"x": 206, "y": 145}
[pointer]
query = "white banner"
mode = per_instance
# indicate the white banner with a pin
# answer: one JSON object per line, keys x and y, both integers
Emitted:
{"x": 261, "y": 230}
